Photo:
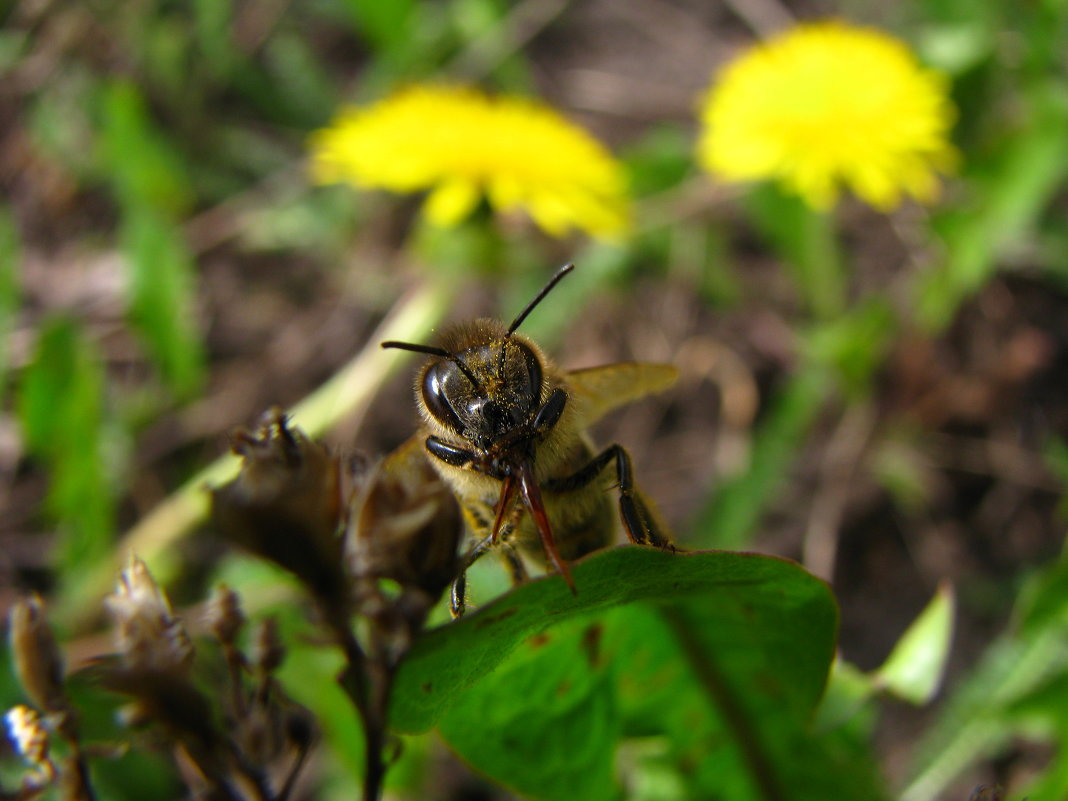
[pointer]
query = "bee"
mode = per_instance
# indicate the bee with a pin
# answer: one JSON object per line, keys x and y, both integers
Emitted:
{"x": 502, "y": 423}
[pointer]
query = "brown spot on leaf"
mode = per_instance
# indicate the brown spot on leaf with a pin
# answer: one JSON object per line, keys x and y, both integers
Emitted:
{"x": 591, "y": 644}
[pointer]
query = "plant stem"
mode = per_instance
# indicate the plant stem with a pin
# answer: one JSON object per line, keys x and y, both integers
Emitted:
{"x": 818, "y": 265}
{"x": 367, "y": 683}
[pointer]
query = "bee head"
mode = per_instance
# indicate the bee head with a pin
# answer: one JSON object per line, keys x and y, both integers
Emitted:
{"x": 484, "y": 381}
{"x": 484, "y": 391}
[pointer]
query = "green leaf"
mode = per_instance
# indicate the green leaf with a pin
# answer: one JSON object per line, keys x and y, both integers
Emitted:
{"x": 61, "y": 411}
{"x": 1043, "y": 602}
{"x": 550, "y": 700}
{"x": 845, "y": 701}
{"x": 386, "y": 26}
{"x": 161, "y": 287}
{"x": 214, "y": 22}
{"x": 143, "y": 166}
{"x": 955, "y": 46}
{"x": 1044, "y": 711}
{"x": 723, "y": 655}
{"x": 915, "y": 667}
{"x": 448, "y": 661}
{"x": 1009, "y": 190}
{"x": 975, "y": 721}
{"x": 61, "y": 389}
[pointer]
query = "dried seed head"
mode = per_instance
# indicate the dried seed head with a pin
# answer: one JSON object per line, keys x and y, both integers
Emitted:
{"x": 300, "y": 727}
{"x": 267, "y": 651}
{"x": 404, "y": 525}
{"x": 260, "y": 733}
{"x": 285, "y": 506}
{"x": 155, "y": 670}
{"x": 38, "y": 661}
{"x": 27, "y": 733}
{"x": 223, "y": 614}
{"x": 271, "y": 726}
{"x": 187, "y": 716}
{"x": 148, "y": 635}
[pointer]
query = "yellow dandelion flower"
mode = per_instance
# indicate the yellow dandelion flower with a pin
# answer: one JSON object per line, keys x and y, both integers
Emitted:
{"x": 828, "y": 105}
{"x": 461, "y": 145}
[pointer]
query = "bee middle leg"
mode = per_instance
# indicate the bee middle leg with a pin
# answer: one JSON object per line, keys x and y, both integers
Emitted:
{"x": 638, "y": 519}
{"x": 513, "y": 563}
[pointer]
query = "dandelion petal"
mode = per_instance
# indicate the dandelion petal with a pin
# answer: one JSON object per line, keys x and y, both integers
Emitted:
{"x": 827, "y": 106}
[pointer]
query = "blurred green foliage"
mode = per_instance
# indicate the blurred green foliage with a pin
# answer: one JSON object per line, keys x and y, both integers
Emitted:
{"x": 1021, "y": 680}
{"x": 61, "y": 408}
{"x": 161, "y": 283}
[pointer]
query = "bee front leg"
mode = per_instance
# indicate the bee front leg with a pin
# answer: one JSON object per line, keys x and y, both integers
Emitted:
{"x": 638, "y": 519}
{"x": 448, "y": 453}
{"x": 458, "y": 596}
{"x": 517, "y": 571}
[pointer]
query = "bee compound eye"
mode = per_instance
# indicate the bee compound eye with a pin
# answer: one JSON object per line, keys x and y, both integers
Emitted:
{"x": 435, "y": 398}
{"x": 532, "y": 385}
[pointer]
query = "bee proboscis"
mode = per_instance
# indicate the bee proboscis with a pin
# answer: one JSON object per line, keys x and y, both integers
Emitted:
{"x": 501, "y": 422}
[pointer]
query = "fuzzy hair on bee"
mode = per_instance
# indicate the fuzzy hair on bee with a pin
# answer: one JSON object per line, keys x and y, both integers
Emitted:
{"x": 506, "y": 429}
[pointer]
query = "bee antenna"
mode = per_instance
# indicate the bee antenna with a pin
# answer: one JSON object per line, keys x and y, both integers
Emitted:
{"x": 538, "y": 298}
{"x": 430, "y": 350}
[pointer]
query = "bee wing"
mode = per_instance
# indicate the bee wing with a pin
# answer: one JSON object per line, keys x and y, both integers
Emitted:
{"x": 598, "y": 390}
